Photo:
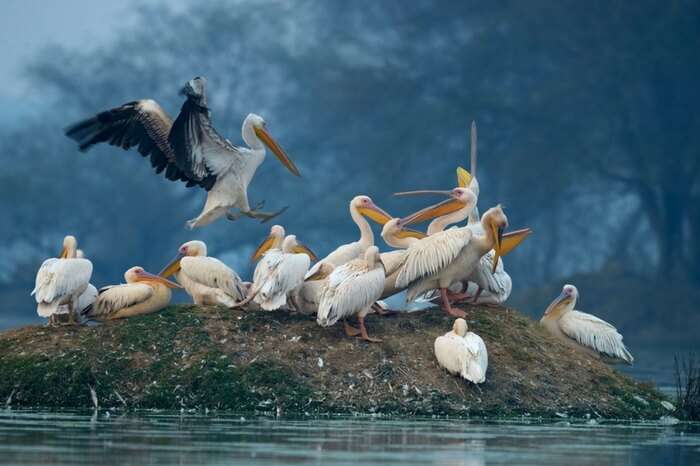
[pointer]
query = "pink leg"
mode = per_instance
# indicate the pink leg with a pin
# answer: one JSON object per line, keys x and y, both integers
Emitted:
{"x": 447, "y": 307}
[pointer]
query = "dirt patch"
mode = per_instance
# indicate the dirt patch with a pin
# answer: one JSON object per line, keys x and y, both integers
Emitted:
{"x": 209, "y": 357}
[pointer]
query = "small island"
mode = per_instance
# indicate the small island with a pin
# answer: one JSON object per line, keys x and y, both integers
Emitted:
{"x": 212, "y": 358}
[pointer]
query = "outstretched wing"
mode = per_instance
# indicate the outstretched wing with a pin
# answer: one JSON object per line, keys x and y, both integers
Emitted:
{"x": 594, "y": 333}
{"x": 432, "y": 254}
{"x": 142, "y": 124}
{"x": 199, "y": 149}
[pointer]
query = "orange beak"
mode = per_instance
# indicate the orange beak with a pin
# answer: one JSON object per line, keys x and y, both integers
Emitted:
{"x": 277, "y": 150}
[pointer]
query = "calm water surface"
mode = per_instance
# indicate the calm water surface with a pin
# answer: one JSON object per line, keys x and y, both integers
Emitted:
{"x": 145, "y": 439}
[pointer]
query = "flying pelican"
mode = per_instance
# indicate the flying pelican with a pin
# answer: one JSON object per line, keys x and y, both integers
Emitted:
{"x": 206, "y": 279}
{"x": 360, "y": 207}
{"x": 61, "y": 282}
{"x": 449, "y": 256}
{"x": 189, "y": 149}
{"x": 583, "y": 331}
{"x": 279, "y": 272}
{"x": 462, "y": 352}
{"x": 143, "y": 293}
{"x": 350, "y": 289}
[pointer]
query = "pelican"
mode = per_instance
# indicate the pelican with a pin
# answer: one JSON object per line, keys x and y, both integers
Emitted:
{"x": 308, "y": 296}
{"x": 360, "y": 207}
{"x": 87, "y": 298}
{"x": 189, "y": 149}
{"x": 206, "y": 279}
{"x": 273, "y": 241}
{"x": 279, "y": 272}
{"x": 462, "y": 352}
{"x": 585, "y": 332}
{"x": 61, "y": 282}
{"x": 350, "y": 289}
{"x": 449, "y": 256}
{"x": 143, "y": 293}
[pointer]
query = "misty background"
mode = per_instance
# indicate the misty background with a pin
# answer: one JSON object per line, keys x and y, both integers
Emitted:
{"x": 587, "y": 116}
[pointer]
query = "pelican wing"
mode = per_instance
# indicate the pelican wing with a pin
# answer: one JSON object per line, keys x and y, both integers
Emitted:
{"x": 498, "y": 284}
{"x": 594, "y": 333}
{"x": 282, "y": 273}
{"x": 115, "y": 298}
{"x": 58, "y": 278}
{"x": 477, "y": 358}
{"x": 142, "y": 124}
{"x": 451, "y": 353}
{"x": 200, "y": 151}
{"x": 349, "y": 289}
{"x": 393, "y": 260}
{"x": 212, "y": 273}
{"x": 431, "y": 255}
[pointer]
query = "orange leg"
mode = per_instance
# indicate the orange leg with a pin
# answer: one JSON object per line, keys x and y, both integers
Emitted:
{"x": 350, "y": 330}
{"x": 363, "y": 331}
{"x": 447, "y": 307}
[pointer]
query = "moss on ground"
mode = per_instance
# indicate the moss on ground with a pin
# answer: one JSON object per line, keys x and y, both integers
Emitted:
{"x": 193, "y": 357}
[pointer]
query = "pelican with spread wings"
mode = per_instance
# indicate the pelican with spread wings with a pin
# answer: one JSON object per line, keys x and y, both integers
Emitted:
{"x": 189, "y": 149}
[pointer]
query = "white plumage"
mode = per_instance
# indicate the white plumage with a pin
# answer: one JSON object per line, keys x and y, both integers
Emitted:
{"x": 462, "y": 352}
{"x": 206, "y": 279}
{"x": 279, "y": 272}
{"x": 61, "y": 281}
{"x": 584, "y": 331}
{"x": 351, "y": 289}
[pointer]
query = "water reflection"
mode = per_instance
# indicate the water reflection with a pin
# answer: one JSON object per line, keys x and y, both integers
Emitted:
{"x": 153, "y": 439}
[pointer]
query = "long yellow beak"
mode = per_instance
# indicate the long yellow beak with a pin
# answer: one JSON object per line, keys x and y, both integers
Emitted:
{"x": 303, "y": 249}
{"x": 498, "y": 235}
{"x": 375, "y": 213}
{"x": 409, "y": 233}
{"x": 265, "y": 246}
{"x": 464, "y": 178}
{"x": 172, "y": 267}
{"x": 149, "y": 277}
{"x": 512, "y": 239}
{"x": 277, "y": 150}
{"x": 63, "y": 254}
{"x": 436, "y": 210}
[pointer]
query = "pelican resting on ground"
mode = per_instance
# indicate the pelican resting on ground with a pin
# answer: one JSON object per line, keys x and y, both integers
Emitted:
{"x": 352, "y": 289}
{"x": 143, "y": 293}
{"x": 60, "y": 282}
{"x": 449, "y": 256}
{"x": 583, "y": 331}
{"x": 360, "y": 207}
{"x": 189, "y": 149}
{"x": 273, "y": 241}
{"x": 206, "y": 279}
{"x": 462, "y": 353}
{"x": 279, "y": 272}
{"x": 308, "y": 296}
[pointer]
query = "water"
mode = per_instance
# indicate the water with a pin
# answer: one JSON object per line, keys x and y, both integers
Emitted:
{"x": 154, "y": 439}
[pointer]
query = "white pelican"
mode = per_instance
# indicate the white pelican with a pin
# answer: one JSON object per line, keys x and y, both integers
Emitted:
{"x": 206, "y": 279}
{"x": 61, "y": 281}
{"x": 360, "y": 207}
{"x": 273, "y": 241}
{"x": 449, "y": 256}
{"x": 307, "y": 297}
{"x": 189, "y": 149}
{"x": 279, "y": 272}
{"x": 143, "y": 293}
{"x": 352, "y": 289}
{"x": 584, "y": 331}
{"x": 462, "y": 352}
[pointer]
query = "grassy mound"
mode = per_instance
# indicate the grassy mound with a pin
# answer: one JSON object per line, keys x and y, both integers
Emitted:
{"x": 209, "y": 357}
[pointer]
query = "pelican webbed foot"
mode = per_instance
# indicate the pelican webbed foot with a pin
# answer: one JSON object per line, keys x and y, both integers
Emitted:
{"x": 363, "y": 331}
{"x": 350, "y": 330}
{"x": 447, "y": 306}
{"x": 256, "y": 214}
{"x": 379, "y": 310}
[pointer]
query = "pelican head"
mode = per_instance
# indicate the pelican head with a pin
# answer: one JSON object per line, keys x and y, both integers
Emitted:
{"x": 324, "y": 269}
{"x": 191, "y": 248}
{"x": 459, "y": 199}
{"x": 273, "y": 240}
{"x": 495, "y": 222}
{"x": 396, "y": 229}
{"x": 366, "y": 207}
{"x": 460, "y": 327}
{"x": 70, "y": 247}
{"x": 254, "y": 131}
{"x": 565, "y": 301}
{"x": 139, "y": 275}
{"x": 292, "y": 246}
{"x": 195, "y": 88}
